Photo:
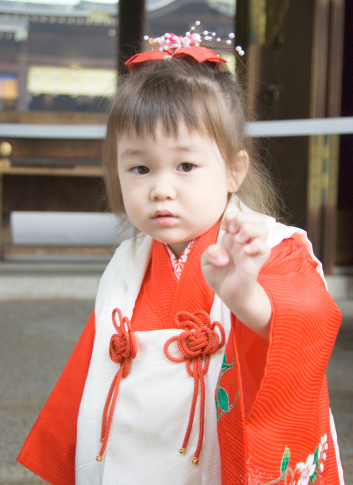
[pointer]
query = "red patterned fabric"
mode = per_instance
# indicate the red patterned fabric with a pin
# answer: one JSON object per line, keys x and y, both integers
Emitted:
{"x": 162, "y": 296}
{"x": 272, "y": 400}
{"x": 284, "y": 402}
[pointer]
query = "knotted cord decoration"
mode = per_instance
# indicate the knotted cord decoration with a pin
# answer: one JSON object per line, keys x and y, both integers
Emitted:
{"x": 196, "y": 344}
{"x": 122, "y": 349}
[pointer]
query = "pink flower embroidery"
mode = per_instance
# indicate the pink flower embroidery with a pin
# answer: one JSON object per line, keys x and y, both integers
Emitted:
{"x": 307, "y": 469}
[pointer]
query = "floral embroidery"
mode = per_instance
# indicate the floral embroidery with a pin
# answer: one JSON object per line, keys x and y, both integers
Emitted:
{"x": 304, "y": 473}
{"x": 221, "y": 396}
{"x": 178, "y": 264}
{"x": 307, "y": 470}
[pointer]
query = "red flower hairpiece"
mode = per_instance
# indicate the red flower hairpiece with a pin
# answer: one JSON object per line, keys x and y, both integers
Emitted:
{"x": 199, "y": 54}
{"x": 171, "y": 45}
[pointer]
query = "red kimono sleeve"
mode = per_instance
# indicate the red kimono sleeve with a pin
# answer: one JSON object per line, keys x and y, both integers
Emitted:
{"x": 289, "y": 403}
{"x": 49, "y": 450}
{"x": 300, "y": 304}
{"x": 278, "y": 387}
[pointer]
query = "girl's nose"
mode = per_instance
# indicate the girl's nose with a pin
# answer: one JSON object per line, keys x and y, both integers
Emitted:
{"x": 162, "y": 189}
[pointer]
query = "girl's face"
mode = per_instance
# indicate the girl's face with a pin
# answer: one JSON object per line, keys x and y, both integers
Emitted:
{"x": 174, "y": 188}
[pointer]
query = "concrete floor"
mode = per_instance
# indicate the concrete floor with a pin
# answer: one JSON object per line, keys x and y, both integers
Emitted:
{"x": 37, "y": 338}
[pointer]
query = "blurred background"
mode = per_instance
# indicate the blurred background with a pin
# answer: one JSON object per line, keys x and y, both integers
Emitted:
{"x": 59, "y": 65}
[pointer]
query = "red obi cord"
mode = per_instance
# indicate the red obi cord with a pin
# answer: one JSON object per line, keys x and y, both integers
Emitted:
{"x": 122, "y": 349}
{"x": 196, "y": 344}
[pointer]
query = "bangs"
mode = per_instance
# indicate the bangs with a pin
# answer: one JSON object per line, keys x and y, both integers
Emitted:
{"x": 160, "y": 98}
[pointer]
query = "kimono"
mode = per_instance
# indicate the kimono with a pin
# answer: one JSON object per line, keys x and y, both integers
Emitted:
{"x": 266, "y": 412}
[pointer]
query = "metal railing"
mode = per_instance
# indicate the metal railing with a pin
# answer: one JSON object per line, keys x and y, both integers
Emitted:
{"x": 304, "y": 127}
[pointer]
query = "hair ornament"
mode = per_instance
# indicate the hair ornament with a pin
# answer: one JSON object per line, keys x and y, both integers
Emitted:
{"x": 171, "y": 45}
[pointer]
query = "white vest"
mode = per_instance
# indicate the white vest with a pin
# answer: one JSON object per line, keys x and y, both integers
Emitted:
{"x": 154, "y": 401}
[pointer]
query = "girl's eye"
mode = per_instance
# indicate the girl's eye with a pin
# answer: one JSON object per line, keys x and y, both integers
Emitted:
{"x": 186, "y": 167}
{"x": 140, "y": 170}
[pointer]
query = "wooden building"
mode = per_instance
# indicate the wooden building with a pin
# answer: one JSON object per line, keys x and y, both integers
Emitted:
{"x": 298, "y": 65}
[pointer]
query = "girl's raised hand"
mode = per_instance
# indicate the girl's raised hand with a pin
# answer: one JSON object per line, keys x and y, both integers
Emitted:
{"x": 231, "y": 269}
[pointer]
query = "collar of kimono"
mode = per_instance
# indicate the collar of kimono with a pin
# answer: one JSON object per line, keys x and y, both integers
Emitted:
{"x": 199, "y": 54}
{"x": 178, "y": 264}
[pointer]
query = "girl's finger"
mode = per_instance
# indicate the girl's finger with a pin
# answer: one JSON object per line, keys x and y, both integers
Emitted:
{"x": 257, "y": 247}
{"x": 235, "y": 221}
{"x": 215, "y": 255}
{"x": 249, "y": 231}
{"x": 231, "y": 223}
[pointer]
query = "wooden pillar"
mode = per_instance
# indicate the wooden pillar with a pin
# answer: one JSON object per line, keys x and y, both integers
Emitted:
{"x": 318, "y": 145}
{"x": 22, "y": 103}
{"x": 296, "y": 74}
{"x": 242, "y": 23}
{"x": 327, "y": 52}
{"x": 345, "y": 186}
{"x": 333, "y": 109}
{"x": 1, "y": 217}
{"x": 242, "y": 17}
{"x": 131, "y": 30}
{"x": 248, "y": 68}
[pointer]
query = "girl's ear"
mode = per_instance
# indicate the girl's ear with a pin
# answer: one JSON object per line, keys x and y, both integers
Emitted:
{"x": 238, "y": 173}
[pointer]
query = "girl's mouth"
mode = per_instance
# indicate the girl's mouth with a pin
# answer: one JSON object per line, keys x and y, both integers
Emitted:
{"x": 164, "y": 218}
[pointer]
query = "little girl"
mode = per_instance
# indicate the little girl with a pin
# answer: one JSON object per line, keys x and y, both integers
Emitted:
{"x": 204, "y": 361}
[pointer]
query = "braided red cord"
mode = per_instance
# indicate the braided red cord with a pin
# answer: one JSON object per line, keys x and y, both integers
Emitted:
{"x": 122, "y": 349}
{"x": 196, "y": 344}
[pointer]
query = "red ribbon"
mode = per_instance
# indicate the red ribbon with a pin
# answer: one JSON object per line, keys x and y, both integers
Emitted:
{"x": 199, "y": 54}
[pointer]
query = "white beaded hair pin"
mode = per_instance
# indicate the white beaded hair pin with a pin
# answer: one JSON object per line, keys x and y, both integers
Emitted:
{"x": 191, "y": 39}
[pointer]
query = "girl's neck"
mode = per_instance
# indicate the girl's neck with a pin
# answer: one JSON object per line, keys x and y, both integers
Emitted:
{"x": 178, "y": 248}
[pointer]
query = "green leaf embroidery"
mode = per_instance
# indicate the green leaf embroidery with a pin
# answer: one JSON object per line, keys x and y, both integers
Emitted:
{"x": 316, "y": 455}
{"x": 221, "y": 395}
{"x": 223, "y": 399}
{"x": 230, "y": 407}
{"x": 285, "y": 460}
{"x": 225, "y": 365}
{"x": 313, "y": 477}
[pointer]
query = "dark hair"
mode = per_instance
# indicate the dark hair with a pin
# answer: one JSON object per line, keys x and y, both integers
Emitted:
{"x": 207, "y": 99}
